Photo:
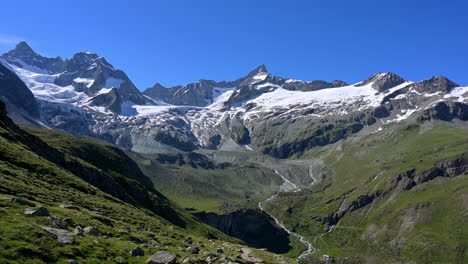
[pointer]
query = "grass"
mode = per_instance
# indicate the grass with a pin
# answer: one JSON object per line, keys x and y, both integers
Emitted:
{"x": 64, "y": 171}
{"x": 421, "y": 225}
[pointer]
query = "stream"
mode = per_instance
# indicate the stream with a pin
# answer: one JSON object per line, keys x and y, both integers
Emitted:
{"x": 287, "y": 183}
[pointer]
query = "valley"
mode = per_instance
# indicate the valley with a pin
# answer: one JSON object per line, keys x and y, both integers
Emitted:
{"x": 261, "y": 169}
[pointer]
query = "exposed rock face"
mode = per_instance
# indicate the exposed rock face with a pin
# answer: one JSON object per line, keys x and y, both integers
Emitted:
{"x": 62, "y": 236}
{"x": 252, "y": 226}
{"x": 162, "y": 257}
{"x": 383, "y": 81}
{"x": 201, "y": 93}
{"x": 26, "y": 55}
{"x": 434, "y": 85}
{"x": 16, "y": 92}
{"x": 446, "y": 111}
{"x": 399, "y": 183}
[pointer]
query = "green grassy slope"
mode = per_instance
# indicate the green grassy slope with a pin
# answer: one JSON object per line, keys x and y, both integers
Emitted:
{"x": 111, "y": 194}
{"x": 194, "y": 181}
{"x": 383, "y": 199}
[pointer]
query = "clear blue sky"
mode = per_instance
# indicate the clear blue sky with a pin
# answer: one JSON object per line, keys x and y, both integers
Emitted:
{"x": 176, "y": 42}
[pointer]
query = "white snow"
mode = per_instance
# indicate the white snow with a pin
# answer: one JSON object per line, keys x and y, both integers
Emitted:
{"x": 113, "y": 83}
{"x": 460, "y": 93}
{"x": 260, "y": 76}
{"x": 42, "y": 85}
{"x": 220, "y": 96}
{"x": 88, "y": 82}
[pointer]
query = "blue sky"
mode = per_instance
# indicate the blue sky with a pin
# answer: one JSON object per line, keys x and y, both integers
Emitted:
{"x": 176, "y": 42}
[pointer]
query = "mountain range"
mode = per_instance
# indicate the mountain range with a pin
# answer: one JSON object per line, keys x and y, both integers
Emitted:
{"x": 363, "y": 172}
{"x": 85, "y": 95}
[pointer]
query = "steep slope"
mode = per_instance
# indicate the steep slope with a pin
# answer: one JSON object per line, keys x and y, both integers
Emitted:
{"x": 398, "y": 195}
{"x": 91, "y": 185}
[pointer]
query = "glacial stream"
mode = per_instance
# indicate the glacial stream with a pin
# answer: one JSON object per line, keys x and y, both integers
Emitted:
{"x": 287, "y": 187}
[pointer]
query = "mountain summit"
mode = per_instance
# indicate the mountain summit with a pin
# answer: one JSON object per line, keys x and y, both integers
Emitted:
{"x": 85, "y": 79}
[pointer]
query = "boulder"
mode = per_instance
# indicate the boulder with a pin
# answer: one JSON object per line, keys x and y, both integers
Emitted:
{"x": 36, "y": 211}
{"x": 91, "y": 231}
{"x": 21, "y": 201}
{"x": 63, "y": 236}
{"x": 78, "y": 231}
{"x": 162, "y": 257}
{"x": 137, "y": 252}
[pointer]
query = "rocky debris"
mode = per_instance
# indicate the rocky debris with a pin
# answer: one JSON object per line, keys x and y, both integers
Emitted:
{"x": 78, "y": 231}
{"x": 246, "y": 255}
{"x": 63, "y": 236}
{"x": 211, "y": 257}
{"x": 36, "y": 211}
{"x": 327, "y": 259}
{"x": 137, "y": 251}
{"x": 121, "y": 260}
{"x": 91, "y": 231}
{"x": 70, "y": 207}
{"x": 57, "y": 222}
{"x": 193, "y": 250}
{"x": 162, "y": 257}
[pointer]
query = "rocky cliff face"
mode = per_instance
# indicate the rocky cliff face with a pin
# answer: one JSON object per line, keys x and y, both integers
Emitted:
{"x": 254, "y": 227}
{"x": 15, "y": 92}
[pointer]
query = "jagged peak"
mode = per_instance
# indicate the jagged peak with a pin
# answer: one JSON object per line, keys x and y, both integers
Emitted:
{"x": 435, "y": 84}
{"x": 158, "y": 86}
{"x": 385, "y": 76}
{"x": 24, "y": 46}
{"x": 260, "y": 69}
{"x": 22, "y": 49}
{"x": 382, "y": 81}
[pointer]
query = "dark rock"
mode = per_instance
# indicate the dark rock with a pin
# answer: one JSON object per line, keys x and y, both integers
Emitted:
{"x": 137, "y": 252}
{"x": 383, "y": 81}
{"x": 254, "y": 227}
{"x": 36, "y": 211}
{"x": 91, "y": 231}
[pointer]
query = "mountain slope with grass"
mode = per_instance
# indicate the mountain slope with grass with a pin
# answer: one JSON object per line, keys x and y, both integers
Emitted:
{"x": 396, "y": 196}
{"x": 66, "y": 198}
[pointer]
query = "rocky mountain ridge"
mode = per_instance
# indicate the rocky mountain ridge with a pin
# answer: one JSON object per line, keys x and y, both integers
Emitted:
{"x": 85, "y": 95}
